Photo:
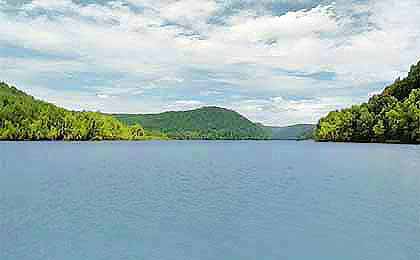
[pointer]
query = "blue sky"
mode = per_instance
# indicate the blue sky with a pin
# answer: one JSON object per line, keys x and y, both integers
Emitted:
{"x": 278, "y": 62}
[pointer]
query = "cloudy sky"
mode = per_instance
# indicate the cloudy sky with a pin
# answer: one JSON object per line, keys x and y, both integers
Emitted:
{"x": 278, "y": 62}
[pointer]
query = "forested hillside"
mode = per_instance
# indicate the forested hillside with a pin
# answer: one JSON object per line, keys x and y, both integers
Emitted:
{"x": 24, "y": 118}
{"x": 212, "y": 123}
{"x": 392, "y": 116}
{"x": 293, "y": 132}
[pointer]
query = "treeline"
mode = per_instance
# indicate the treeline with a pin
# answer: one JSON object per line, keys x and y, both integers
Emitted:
{"x": 24, "y": 118}
{"x": 393, "y": 116}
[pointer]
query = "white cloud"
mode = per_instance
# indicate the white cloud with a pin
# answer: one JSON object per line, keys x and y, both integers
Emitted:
{"x": 188, "y": 12}
{"x": 170, "y": 79}
{"x": 278, "y": 111}
{"x": 104, "y": 96}
{"x": 50, "y": 4}
{"x": 207, "y": 93}
{"x": 287, "y": 28}
{"x": 250, "y": 53}
{"x": 180, "y": 105}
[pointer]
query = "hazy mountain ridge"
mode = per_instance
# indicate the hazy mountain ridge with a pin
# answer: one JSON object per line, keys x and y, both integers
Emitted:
{"x": 293, "y": 132}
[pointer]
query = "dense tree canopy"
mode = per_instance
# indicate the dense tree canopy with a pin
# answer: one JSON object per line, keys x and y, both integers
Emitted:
{"x": 24, "y": 118}
{"x": 393, "y": 116}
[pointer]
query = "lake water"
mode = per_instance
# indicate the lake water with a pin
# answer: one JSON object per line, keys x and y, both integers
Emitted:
{"x": 209, "y": 201}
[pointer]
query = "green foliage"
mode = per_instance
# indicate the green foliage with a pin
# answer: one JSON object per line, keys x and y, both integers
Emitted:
{"x": 294, "y": 132}
{"x": 24, "y": 118}
{"x": 209, "y": 123}
{"x": 393, "y": 116}
{"x": 401, "y": 89}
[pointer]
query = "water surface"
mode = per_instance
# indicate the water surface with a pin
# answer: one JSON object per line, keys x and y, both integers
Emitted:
{"x": 209, "y": 201}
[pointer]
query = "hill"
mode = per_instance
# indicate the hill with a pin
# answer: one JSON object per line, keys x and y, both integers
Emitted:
{"x": 392, "y": 116}
{"x": 23, "y": 117}
{"x": 212, "y": 123}
{"x": 293, "y": 132}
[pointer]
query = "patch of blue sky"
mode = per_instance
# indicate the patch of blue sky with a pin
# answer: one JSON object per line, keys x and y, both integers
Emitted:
{"x": 8, "y": 50}
{"x": 319, "y": 75}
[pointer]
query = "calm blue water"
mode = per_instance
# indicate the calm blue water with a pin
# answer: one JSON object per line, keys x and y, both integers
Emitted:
{"x": 209, "y": 201}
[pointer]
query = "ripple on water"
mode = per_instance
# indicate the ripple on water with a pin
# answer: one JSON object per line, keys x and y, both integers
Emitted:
{"x": 204, "y": 200}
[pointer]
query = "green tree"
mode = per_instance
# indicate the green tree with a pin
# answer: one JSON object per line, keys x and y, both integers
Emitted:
{"x": 393, "y": 115}
{"x": 24, "y": 118}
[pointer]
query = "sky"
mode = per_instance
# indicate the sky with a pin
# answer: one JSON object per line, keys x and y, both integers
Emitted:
{"x": 278, "y": 62}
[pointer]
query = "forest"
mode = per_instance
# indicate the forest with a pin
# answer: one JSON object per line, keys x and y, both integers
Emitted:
{"x": 206, "y": 123}
{"x": 390, "y": 117}
{"x": 23, "y": 117}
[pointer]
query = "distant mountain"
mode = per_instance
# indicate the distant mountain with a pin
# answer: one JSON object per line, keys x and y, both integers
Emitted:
{"x": 23, "y": 117}
{"x": 392, "y": 116}
{"x": 293, "y": 132}
{"x": 212, "y": 123}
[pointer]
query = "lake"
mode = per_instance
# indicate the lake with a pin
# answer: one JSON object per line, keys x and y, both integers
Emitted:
{"x": 198, "y": 200}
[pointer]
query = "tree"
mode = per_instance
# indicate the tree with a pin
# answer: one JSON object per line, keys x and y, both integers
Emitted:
{"x": 24, "y": 118}
{"x": 393, "y": 115}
